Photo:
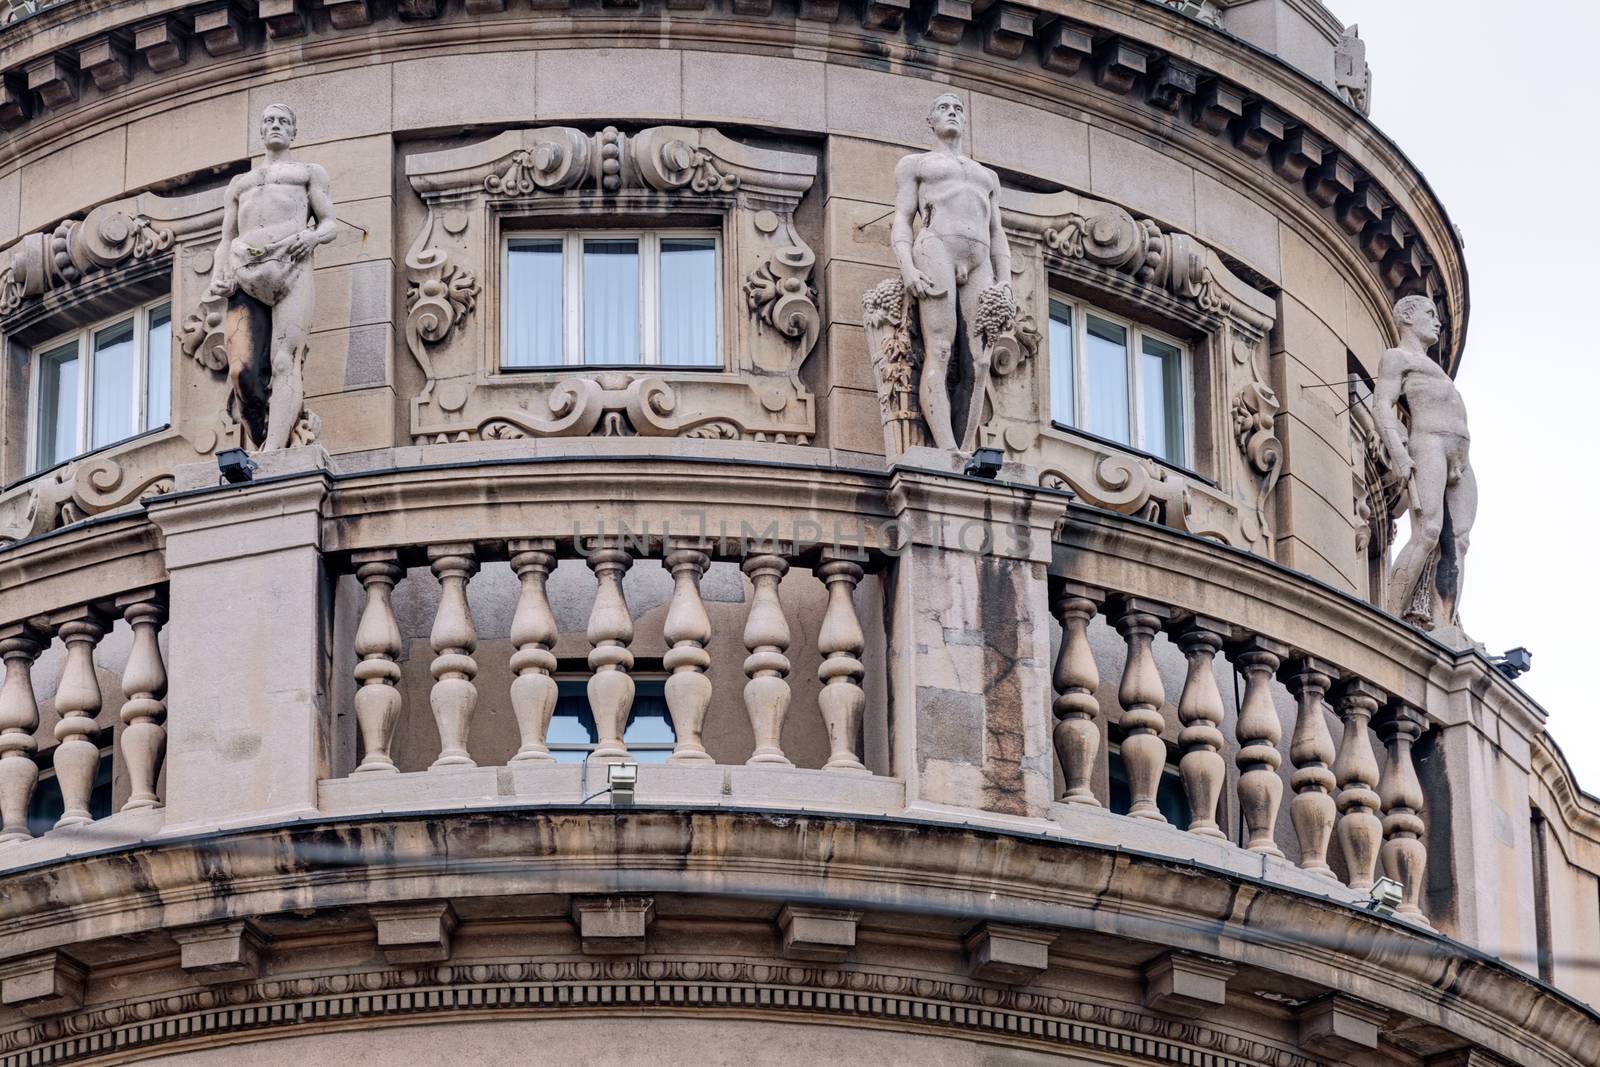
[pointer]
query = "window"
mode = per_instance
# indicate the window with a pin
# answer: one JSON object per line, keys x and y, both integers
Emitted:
{"x": 649, "y": 734}
{"x": 47, "y": 804}
{"x": 1171, "y": 800}
{"x": 1118, "y": 381}
{"x": 612, "y": 298}
{"x": 101, "y": 385}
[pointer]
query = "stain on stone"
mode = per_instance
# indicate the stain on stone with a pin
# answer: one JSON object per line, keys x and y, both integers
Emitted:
{"x": 366, "y": 357}
{"x": 1003, "y": 786}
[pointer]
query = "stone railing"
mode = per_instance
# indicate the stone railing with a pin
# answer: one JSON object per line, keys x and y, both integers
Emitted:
{"x": 398, "y": 639}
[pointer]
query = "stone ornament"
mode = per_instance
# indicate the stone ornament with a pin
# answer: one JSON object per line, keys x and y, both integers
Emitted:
{"x": 1351, "y": 73}
{"x": 1430, "y": 456}
{"x": 109, "y": 237}
{"x": 770, "y": 323}
{"x": 77, "y": 490}
{"x": 953, "y": 290}
{"x": 255, "y": 316}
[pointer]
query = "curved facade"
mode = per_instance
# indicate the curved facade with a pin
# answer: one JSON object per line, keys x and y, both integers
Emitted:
{"x": 478, "y": 573}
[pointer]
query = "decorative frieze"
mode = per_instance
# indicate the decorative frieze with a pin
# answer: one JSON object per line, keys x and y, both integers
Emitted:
{"x": 106, "y": 238}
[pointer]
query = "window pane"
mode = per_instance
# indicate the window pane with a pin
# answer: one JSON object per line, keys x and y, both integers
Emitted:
{"x": 1062, "y": 365}
{"x": 534, "y": 310}
{"x": 1161, "y": 378}
{"x": 1106, "y": 361}
{"x": 158, "y": 380}
{"x": 112, "y": 418}
{"x": 650, "y": 735}
{"x": 58, "y": 405}
{"x": 611, "y": 301}
{"x": 689, "y": 301}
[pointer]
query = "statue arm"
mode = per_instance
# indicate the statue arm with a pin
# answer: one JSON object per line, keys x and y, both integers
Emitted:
{"x": 222, "y": 283}
{"x": 1386, "y": 396}
{"x": 917, "y": 284}
{"x": 999, "y": 246}
{"x": 322, "y": 211}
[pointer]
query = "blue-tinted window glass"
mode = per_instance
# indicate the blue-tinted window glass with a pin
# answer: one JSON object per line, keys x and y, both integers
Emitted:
{"x": 535, "y": 310}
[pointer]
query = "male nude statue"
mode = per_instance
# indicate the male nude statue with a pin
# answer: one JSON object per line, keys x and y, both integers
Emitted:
{"x": 273, "y": 218}
{"x": 958, "y": 251}
{"x": 1431, "y": 459}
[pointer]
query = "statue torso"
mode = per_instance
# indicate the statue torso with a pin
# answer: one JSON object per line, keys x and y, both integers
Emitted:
{"x": 274, "y": 202}
{"x": 1433, "y": 399}
{"x": 954, "y": 196}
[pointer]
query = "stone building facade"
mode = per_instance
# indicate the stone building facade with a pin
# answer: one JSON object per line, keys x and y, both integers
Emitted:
{"x": 611, "y": 667}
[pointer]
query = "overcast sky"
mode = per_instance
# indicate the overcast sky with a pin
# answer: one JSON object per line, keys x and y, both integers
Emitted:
{"x": 1497, "y": 106}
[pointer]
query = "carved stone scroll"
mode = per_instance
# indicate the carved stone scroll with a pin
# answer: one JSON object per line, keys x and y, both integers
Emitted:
{"x": 108, "y": 237}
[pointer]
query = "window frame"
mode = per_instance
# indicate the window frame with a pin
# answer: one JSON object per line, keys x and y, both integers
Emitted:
{"x": 1136, "y": 334}
{"x": 649, "y": 239}
{"x": 83, "y": 337}
{"x": 577, "y": 678}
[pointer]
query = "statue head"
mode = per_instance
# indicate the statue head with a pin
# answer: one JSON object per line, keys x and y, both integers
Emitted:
{"x": 1417, "y": 316}
{"x": 947, "y": 118}
{"x": 277, "y": 126}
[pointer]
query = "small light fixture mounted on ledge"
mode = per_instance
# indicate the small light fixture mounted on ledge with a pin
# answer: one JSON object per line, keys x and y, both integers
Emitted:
{"x": 1385, "y": 896}
{"x": 985, "y": 463}
{"x": 1514, "y": 663}
{"x": 622, "y": 779}
{"x": 235, "y": 466}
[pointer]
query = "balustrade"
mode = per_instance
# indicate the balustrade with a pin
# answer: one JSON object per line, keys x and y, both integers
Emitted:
{"x": 687, "y": 630}
{"x": 78, "y": 703}
{"x": 533, "y": 632}
{"x": 378, "y": 644}
{"x": 144, "y": 709}
{"x": 1200, "y": 710}
{"x": 454, "y": 696}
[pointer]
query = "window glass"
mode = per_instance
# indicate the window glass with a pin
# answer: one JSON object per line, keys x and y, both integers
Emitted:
{"x": 158, "y": 379}
{"x": 58, "y": 405}
{"x": 689, "y": 300}
{"x": 649, "y": 734}
{"x": 1062, "y": 365}
{"x": 611, "y": 300}
{"x": 112, "y": 391}
{"x": 1106, "y": 367}
{"x": 1161, "y": 385}
{"x": 534, "y": 304}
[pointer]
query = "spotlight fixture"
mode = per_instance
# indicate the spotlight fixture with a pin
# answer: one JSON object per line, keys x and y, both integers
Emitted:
{"x": 985, "y": 463}
{"x": 236, "y": 467}
{"x": 1514, "y": 663}
{"x": 622, "y": 779}
{"x": 1385, "y": 896}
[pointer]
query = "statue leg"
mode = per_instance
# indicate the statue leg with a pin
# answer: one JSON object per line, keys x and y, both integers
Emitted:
{"x": 977, "y": 380}
{"x": 1427, "y": 522}
{"x": 1462, "y": 500}
{"x": 247, "y": 335}
{"x": 291, "y": 329}
{"x": 937, "y": 316}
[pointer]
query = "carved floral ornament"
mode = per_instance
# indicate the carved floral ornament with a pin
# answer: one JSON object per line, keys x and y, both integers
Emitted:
{"x": 108, "y": 237}
{"x": 1140, "y": 262}
{"x": 772, "y": 324}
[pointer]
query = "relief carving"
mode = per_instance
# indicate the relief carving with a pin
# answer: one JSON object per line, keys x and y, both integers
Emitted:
{"x": 106, "y": 238}
{"x": 1430, "y": 456}
{"x": 770, "y": 323}
{"x": 75, "y": 491}
{"x": 1352, "y": 76}
{"x": 254, "y": 319}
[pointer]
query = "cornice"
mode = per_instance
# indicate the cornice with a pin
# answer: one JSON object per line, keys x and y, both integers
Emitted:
{"x": 93, "y": 560}
{"x": 1578, "y": 810}
{"x": 886, "y": 865}
{"x": 1274, "y": 118}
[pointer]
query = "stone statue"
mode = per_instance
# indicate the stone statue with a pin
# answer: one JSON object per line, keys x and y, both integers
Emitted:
{"x": 273, "y": 219}
{"x": 1431, "y": 459}
{"x": 955, "y": 264}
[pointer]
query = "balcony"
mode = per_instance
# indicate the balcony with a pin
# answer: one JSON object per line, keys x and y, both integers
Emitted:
{"x": 391, "y": 634}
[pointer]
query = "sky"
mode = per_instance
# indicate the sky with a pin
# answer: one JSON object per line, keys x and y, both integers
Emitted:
{"x": 1497, "y": 107}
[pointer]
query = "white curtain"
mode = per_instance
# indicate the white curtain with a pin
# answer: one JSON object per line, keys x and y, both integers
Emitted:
{"x": 611, "y": 301}
{"x": 112, "y": 416}
{"x": 534, "y": 323}
{"x": 1161, "y": 379}
{"x": 1106, "y": 364}
{"x": 58, "y": 406}
{"x": 158, "y": 375}
{"x": 689, "y": 301}
{"x": 1062, "y": 369}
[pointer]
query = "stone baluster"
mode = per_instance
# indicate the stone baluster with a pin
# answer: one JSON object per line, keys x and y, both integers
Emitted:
{"x": 1077, "y": 709}
{"x": 610, "y": 632}
{"x": 842, "y": 700}
{"x": 1404, "y": 856}
{"x": 78, "y": 700}
{"x": 1200, "y": 710}
{"x": 454, "y": 696}
{"x": 20, "y": 645}
{"x": 1312, "y": 810}
{"x": 144, "y": 708}
{"x": 766, "y": 635}
{"x": 1144, "y": 753}
{"x": 1356, "y": 770}
{"x": 533, "y": 632}
{"x": 687, "y": 630}
{"x": 377, "y": 674}
{"x": 1259, "y": 731}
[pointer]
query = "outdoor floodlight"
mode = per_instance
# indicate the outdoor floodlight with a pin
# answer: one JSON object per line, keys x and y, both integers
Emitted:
{"x": 236, "y": 466}
{"x": 1514, "y": 664}
{"x": 985, "y": 463}
{"x": 622, "y": 779}
{"x": 1385, "y": 896}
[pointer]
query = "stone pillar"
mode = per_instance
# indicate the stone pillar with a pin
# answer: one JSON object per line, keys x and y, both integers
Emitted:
{"x": 78, "y": 703}
{"x": 1258, "y": 729}
{"x": 20, "y": 645}
{"x": 1356, "y": 770}
{"x": 969, "y": 642}
{"x": 687, "y": 630}
{"x": 1144, "y": 754}
{"x": 610, "y": 632}
{"x": 1312, "y": 809}
{"x": 1076, "y": 678}
{"x": 533, "y": 631}
{"x": 1200, "y": 710}
{"x": 454, "y": 638}
{"x": 1404, "y": 854}
{"x": 766, "y": 636}
{"x": 842, "y": 700}
{"x": 144, "y": 708}
{"x": 378, "y": 699}
{"x": 247, "y": 717}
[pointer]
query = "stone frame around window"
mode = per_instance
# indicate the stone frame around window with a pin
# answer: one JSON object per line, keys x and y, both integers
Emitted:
{"x": 1099, "y": 253}
{"x": 561, "y": 177}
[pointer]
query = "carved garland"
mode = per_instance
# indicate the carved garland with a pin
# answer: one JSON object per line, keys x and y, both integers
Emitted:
{"x": 652, "y": 982}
